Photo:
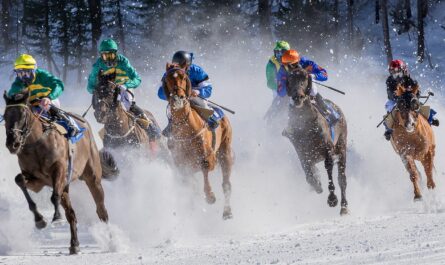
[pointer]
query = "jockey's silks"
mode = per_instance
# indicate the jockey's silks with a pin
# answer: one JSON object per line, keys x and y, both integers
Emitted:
{"x": 44, "y": 85}
{"x": 125, "y": 73}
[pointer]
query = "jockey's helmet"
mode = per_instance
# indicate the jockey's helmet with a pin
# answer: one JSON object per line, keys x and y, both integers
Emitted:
{"x": 25, "y": 68}
{"x": 184, "y": 59}
{"x": 290, "y": 57}
{"x": 397, "y": 68}
{"x": 280, "y": 47}
{"x": 108, "y": 52}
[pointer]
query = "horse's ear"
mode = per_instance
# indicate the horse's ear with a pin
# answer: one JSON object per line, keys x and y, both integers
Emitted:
{"x": 399, "y": 90}
{"x": 6, "y": 98}
{"x": 168, "y": 66}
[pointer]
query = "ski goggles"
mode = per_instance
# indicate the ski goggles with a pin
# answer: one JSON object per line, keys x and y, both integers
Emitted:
{"x": 108, "y": 56}
{"x": 25, "y": 73}
{"x": 279, "y": 53}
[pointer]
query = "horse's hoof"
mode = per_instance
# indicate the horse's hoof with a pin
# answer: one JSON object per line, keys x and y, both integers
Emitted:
{"x": 211, "y": 199}
{"x": 227, "y": 214}
{"x": 318, "y": 189}
{"x": 41, "y": 224}
{"x": 344, "y": 211}
{"x": 332, "y": 200}
{"x": 431, "y": 185}
{"x": 74, "y": 250}
{"x": 57, "y": 222}
{"x": 418, "y": 198}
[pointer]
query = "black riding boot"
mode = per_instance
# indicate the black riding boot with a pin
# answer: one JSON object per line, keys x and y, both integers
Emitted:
{"x": 73, "y": 129}
{"x": 324, "y": 110}
{"x": 153, "y": 131}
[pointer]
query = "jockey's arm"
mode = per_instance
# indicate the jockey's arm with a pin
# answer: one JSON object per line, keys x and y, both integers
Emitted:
{"x": 161, "y": 91}
{"x": 200, "y": 81}
{"x": 391, "y": 88}
{"x": 16, "y": 88}
{"x": 271, "y": 74}
{"x": 134, "y": 79}
{"x": 204, "y": 88}
{"x": 319, "y": 72}
{"x": 54, "y": 83}
{"x": 93, "y": 77}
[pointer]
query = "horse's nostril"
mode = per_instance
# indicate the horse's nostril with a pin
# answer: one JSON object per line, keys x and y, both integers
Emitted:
{"x": 16, "y": 145}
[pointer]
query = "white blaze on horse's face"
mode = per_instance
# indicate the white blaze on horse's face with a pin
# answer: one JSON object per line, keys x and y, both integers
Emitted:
{"x": 410, "y": 124}
{"x": 178, "y": 102}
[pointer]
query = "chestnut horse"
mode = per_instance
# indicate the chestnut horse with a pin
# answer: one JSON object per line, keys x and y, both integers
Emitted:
{"x": 310, "y": 134}
{"x": 43, "y": 155}
{"x": 413, "y": 137}
{"x": 191, "y": 141}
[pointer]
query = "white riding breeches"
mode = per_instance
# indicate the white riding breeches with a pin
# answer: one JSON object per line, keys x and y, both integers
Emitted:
{"x": 389, "y": 105}
{"x": 127, "y": 98}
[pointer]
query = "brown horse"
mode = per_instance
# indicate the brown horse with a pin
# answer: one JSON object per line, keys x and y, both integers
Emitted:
{"x": 122, "y": 129}
{"x": 412, "y": 137}
{"x": 191, "y": 141}
{"x": 44, "y": 155}
{"x": 310, "y": 135}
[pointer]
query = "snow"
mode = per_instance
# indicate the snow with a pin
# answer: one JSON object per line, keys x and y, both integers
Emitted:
{"x": 157, "y": 217}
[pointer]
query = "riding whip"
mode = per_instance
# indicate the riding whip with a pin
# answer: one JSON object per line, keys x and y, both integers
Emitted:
{"x": 85, "y": 113}
{"x": 331, "y": 88}
{"x": 211, "y": 102}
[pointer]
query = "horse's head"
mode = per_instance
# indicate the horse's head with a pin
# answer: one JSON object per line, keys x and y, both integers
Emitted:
{"x": 408, "y": 105}
{"x": 105, "y": 97}
{"x": 298, "y": 86}
{"x": 177, "y": 86}
{"x": 17, "y": 118}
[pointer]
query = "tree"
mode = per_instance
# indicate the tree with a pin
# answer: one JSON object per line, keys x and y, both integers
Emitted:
{"x": 264, "y": 20}
{"x": 6, "y": 22}
{"x": 351, "y": 21}
{"x": 96, "y": 23}
{"x": 422, "y": 10}
{"x": 386, "y": 39}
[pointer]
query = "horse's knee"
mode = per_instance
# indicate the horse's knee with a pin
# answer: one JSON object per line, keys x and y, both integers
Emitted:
{"x": 20, "y": 180}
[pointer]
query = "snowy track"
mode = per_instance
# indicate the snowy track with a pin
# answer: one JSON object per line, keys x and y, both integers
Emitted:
{"x": 401, "y": 238}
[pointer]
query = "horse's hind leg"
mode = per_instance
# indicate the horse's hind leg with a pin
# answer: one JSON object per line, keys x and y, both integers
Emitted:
{"x": 38, "y": 218}
{"x": 312, "y": 177}
{"x": 342, "y": 182}
{"x": 329, "y": 165}
{"x": 71, "y": 218}
{"x": 226, "y": 160}
{"x": 59, "y": 182}
{"x": 410, "y": 165}
{"x": 95, "y": 187}
{"x": 427, "y": 163}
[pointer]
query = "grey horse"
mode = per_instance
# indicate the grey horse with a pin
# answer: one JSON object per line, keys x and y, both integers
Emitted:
{"x": 313, "y": 139}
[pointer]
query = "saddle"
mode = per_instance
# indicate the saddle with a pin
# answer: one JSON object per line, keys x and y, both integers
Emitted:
{"x": 424, "y": 110}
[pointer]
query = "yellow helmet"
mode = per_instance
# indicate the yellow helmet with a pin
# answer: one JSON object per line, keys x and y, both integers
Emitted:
{"x": 25, "y": 61}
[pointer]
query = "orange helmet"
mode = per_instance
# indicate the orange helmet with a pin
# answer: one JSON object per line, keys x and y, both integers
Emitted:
{"x": 290, "y": 57}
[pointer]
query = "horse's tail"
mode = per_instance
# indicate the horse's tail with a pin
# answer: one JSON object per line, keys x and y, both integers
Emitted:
{"x": 110, "y": 171}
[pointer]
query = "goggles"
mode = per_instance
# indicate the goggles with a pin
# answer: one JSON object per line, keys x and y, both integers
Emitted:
{"x": 279, "y": 53}
{"x": 108, "y": 56}
{"x": 24, "y": 73}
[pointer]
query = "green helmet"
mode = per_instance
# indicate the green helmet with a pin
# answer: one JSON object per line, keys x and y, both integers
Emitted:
{"x": 108, "y": 45}
{"x": 282, "y": 45}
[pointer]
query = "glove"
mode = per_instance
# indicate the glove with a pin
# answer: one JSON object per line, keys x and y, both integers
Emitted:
{"x": 313, "y": 76}
{"x": 45, "y": 103}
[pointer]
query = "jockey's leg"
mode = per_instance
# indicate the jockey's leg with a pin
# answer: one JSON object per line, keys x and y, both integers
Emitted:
{"x": 389, "y": 106}
{"x": 213, "y": 120}
{"x": 153, "y": 131}
{"x": 433, "y": 120}
{"x": 73, "y": 128}
{"x": 325, "y": 110}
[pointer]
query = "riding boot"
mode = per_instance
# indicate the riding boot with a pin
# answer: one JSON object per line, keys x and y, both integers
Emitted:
{"x": 388, "y": 132}
{"x": 325, "y": 110}
{"x": 72, "y": 129}
{"x": 213, "y": 123}
{"x": 153, "y": 131}
{"x": 435, "y": 122}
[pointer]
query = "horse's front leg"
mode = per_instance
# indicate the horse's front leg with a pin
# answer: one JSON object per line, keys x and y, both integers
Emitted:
{"x": 58, "y": 178}
{"x": 311, "y": 172}
{"x": 410, "y": 165}
{"x": 71, "y": 218}
{"x": 22, "y": 182}
{"x": 210, "y": 196}
{"x": 428, "y": 164}
{"x": 329, "y": 165}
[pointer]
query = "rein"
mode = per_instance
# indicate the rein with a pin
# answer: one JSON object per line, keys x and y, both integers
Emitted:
{"x": 26, "y": 130}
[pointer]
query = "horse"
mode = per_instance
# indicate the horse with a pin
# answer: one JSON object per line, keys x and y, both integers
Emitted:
{"x": 122, "y": 129}
{"x": 192, "y": 144}
{"x": 412, "y": 137}
{"x": 311, "y": 136}
{"x": 44, "y": 157}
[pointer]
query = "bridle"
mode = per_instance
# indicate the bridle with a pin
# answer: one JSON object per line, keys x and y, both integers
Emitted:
{"x": 25, "y": 131}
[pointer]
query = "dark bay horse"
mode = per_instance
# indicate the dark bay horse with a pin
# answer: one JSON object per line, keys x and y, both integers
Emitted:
{"x": 413, "y": 137}
{"x": 122, "y": 129}
{"x": 43, "y": 156}
{"x": 310, "y": 134}
{"x": 191, "y": 145}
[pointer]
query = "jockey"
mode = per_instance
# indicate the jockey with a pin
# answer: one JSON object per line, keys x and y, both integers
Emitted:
{"x": 127, "y": 79}
{"x": 274, "y": 64}
{"x": 291, "y": 59}
{"x": 44, "y": 91}
{"x": 399, "y": 72}
{"x": 201, "y": 88}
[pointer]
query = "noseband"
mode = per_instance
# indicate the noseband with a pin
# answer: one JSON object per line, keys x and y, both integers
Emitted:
{"x": 25, "y": 131}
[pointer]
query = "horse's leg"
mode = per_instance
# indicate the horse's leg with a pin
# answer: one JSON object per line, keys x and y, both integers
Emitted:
{"x": 210, "y": 196}
{"x": 342, "y": 182}
{"x": 59, "y": 182}
{"x": 38, "y": 218}
{"x": 226, "y": 160}
{"x": 95, "y": 187}
{"x": 329, "y": 165}
{"x": 428, "y": 163}
{"x": 312, "y": 177}
{"x": 71, "y": 218}
{"x": 410, "y": 165}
